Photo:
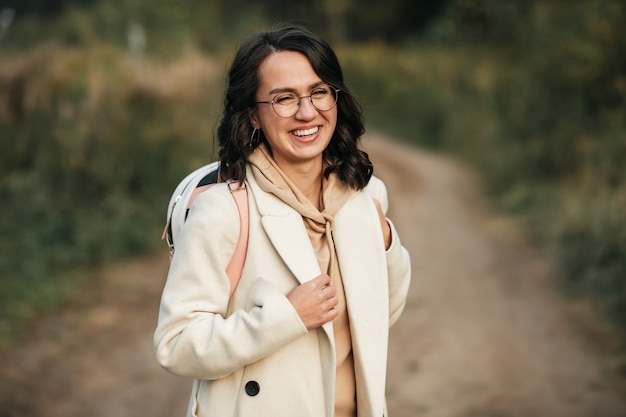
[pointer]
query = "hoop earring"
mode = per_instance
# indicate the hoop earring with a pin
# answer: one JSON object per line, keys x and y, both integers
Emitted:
{"x": 254, "y": 142}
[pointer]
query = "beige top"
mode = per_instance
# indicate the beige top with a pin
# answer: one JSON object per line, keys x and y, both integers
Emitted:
{"x": 345, "y": 388}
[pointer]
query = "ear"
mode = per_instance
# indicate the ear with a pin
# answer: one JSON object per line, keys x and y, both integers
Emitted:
{"x": 254, "y": 119}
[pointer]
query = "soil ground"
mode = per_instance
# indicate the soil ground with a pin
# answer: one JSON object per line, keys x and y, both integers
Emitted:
{"x": 484, "y": 333}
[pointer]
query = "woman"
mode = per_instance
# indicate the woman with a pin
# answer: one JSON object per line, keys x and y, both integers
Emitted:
{"x": 305, "y": 332}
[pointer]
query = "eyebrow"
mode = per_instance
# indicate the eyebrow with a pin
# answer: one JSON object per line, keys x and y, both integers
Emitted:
{"x": 293, "y": 90}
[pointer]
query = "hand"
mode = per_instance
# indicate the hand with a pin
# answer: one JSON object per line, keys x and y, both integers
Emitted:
{"x": 383, "y": 224}
{"x": 315, "y": 301}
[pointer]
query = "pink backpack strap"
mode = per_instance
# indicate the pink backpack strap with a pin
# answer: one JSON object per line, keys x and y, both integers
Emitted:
{"x": 197, "y": 191}
{"x": 235, "y": 266}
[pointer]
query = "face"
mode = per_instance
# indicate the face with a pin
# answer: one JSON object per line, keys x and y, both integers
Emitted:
{"x": 298, "y": 140}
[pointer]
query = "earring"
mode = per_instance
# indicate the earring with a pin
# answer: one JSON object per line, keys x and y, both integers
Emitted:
{"x": 254, "y": 142}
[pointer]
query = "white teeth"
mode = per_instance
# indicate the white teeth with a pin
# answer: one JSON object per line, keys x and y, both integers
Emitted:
{"x": 306, "y": 132}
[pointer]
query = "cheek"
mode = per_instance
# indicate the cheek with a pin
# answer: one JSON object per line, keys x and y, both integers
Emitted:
{"x": 332, "y": 120}
{"x": 270, "y": 127}
{"x": 273, "y": 131}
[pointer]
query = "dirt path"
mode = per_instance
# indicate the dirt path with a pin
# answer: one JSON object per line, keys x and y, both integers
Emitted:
{"x": 482, "y": 336}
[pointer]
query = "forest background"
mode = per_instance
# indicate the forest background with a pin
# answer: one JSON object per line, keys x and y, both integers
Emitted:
{"x": 106, "y": 105}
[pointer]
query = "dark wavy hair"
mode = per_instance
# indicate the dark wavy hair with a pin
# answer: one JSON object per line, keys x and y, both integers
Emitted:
{"x": 342, "y": 156}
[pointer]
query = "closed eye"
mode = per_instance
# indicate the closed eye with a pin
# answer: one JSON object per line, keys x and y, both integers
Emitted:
{"x": 320, "y": 92}
{"x": 285, "y": 99}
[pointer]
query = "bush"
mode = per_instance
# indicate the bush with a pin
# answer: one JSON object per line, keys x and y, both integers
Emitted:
{"x": 97, "y": 144}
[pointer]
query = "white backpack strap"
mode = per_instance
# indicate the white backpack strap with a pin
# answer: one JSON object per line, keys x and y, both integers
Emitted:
{"x": 240, "y": 194}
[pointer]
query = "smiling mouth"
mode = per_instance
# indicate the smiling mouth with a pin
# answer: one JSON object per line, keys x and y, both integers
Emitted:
{"x": 307, "y": 132}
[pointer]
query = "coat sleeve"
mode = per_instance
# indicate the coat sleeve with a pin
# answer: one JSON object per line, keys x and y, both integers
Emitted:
{"x": 399, "y": 272}
{"x": 398, "y": 260}
{"x": 193, "y": 337}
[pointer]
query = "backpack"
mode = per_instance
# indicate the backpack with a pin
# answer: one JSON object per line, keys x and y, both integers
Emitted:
{"x": 193, "y": 184}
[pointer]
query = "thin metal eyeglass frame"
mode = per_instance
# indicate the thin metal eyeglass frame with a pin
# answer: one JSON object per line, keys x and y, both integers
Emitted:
{"x": 310, "y": 97}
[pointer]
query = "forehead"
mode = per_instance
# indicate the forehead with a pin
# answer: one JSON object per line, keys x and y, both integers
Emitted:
{"x": 286, "y": 70}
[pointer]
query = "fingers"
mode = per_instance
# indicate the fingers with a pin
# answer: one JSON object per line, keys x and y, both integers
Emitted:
{"x": 324, "y": 291}
{"x": 315, "y": 301}
{"x": 319, "y": 282}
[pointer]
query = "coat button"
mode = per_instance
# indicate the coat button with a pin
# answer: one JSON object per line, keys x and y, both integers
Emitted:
{"x": 252, "y": 388}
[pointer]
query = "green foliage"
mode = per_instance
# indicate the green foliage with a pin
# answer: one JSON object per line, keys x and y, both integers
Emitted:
{"x": 395, "y": 88}
{"x": 168, "y": 27}
{"x": 591, "y": 245}
{"x": 557, "y": 106}
{"x": 211, "y": 25}
{"x": 97, "y": 143}
{"x": 100, "y": 128}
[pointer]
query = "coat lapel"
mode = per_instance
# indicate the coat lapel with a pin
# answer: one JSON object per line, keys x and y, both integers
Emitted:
{"x": 291, "y": 241}
{"x": 358, "y": 236}
{"x": 286, "y": 231}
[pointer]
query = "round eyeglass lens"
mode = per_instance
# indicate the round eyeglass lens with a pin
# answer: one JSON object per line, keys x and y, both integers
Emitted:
{"x": 323, "y": 99}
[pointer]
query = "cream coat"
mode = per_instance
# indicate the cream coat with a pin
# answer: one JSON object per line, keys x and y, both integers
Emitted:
{"x": 258, "y": 336}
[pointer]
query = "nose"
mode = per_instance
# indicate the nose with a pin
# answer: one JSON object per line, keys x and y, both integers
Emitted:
{"x": 306, "y": 111}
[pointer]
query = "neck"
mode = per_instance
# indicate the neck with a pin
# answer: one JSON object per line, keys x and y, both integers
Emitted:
{"x": 314, "y": 192}
{"x": 308, "y": 180}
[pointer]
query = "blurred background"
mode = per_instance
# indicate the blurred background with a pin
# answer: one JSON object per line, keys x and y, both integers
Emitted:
{"x": 106, "y": 105}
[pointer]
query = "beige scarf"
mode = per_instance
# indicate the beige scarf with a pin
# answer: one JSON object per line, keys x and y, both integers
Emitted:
{"x": 273, "y": 180}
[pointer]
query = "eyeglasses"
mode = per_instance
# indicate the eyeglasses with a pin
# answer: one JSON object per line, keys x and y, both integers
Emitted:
{"x": 323, "y": 98}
